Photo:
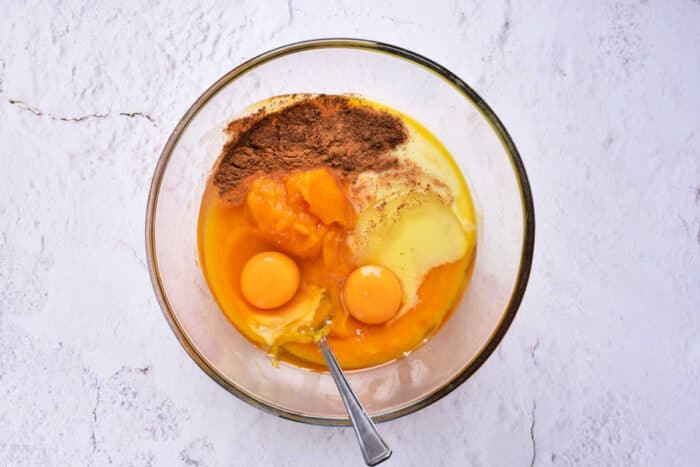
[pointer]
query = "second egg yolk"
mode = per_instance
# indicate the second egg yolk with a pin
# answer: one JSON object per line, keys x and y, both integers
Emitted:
{"x": 269, "y": 280}
{"x": 372, "y": 294}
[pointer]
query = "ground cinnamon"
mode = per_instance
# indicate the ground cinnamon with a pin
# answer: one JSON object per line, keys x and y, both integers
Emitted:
{"x": 324, "y": 130}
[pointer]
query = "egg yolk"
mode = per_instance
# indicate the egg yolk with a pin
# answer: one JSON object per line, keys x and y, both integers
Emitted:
{"x": 372, "y": 294}
{"x": 269, "y": 280}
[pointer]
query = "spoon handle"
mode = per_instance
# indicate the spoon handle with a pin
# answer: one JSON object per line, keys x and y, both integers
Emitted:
{"x": 374, "y": 449}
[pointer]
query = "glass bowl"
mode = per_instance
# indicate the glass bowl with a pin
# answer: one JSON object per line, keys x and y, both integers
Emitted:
{"x": 459, "y": 118}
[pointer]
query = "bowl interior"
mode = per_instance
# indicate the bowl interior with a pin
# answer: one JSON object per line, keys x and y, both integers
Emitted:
{"x": 461, "y": 122}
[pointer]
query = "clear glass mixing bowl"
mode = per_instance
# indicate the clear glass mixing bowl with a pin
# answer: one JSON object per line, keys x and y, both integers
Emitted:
{"x": 459, "y": 118}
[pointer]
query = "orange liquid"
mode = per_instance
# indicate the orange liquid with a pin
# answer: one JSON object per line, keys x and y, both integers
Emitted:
{"x": 231, "y": 234}
{"x": 227, "y": 240}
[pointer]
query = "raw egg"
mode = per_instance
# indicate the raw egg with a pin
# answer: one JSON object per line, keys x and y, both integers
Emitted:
{"x": 269, "y": 280}
{"x": 372, "y": 294}
{"x": 409, "y": 235}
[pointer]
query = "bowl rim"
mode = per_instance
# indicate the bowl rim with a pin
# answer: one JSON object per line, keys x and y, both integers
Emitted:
{"x": 486, "y": 111}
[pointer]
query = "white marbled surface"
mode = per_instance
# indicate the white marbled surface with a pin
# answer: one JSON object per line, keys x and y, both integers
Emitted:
{"x": 601, "y": 365}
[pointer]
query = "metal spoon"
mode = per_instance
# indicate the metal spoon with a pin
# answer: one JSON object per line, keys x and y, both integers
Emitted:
{"x": 374, "y": 449}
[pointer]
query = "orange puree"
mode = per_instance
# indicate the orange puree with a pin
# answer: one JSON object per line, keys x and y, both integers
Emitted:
{"x": 306, "y": 216}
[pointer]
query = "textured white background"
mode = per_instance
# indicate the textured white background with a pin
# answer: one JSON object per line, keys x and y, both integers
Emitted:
{"x": 602, "y": 363}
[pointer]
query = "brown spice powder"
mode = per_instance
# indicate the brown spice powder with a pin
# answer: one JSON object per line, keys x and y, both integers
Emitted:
{"x": 324, "y": 130}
